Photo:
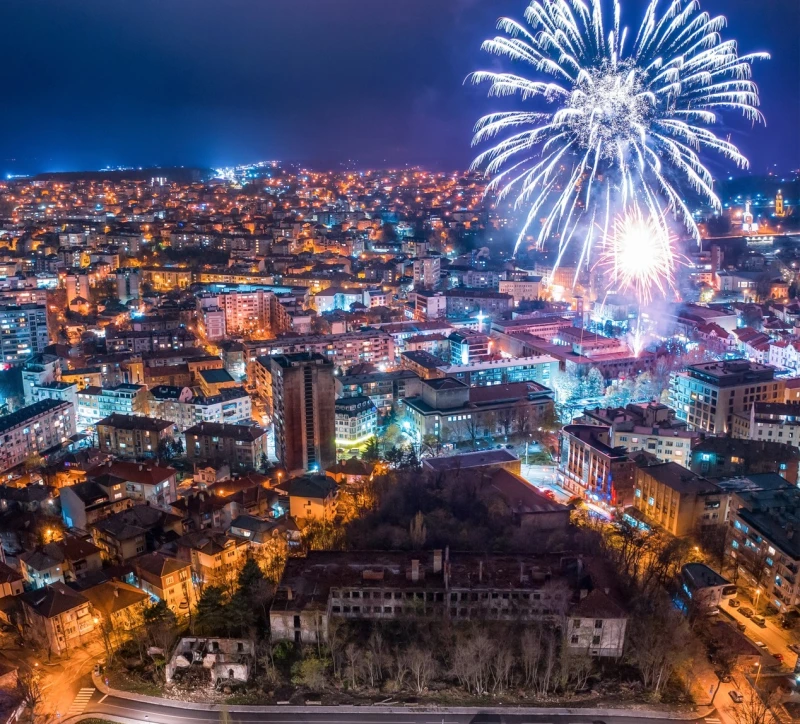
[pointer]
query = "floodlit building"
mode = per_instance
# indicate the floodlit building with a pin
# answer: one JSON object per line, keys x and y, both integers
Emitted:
{"x": 356, "y": 420}
{"x": 708, "y": 395}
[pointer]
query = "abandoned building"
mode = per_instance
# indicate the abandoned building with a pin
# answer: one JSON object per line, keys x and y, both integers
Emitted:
{"x": 379, "y": 585}
{"x": 211, "y": 660}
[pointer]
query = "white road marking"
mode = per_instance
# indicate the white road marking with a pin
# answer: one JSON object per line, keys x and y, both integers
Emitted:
{"x": 81, "y": 701}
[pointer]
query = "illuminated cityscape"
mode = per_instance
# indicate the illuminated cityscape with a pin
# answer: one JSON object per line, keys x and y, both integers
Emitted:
{"x": 514, "y": 439}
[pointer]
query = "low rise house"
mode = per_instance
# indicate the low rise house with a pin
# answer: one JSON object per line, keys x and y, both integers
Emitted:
{"x": 141, "y": 482}
{"x": 118, "y": 605}
{"x": 11, "y": 582}
{"x": 69, "y": 559}
{"x": 261, "y": 532}
{"x": 85, "y": 503}
{"x": 215, "y": 557}
{"x": 57, "y": 618}
{"x": 597, "y": 625}
{"x": 166, "y": 579}
{"x": 312, "y": 497}
{"x": 134, "y": 531}
{"x": 28, "y": 499}
{"x": 351, "y": 471}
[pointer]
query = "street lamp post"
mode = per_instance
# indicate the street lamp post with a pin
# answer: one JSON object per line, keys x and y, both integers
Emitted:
{"x": 758, "y": 595}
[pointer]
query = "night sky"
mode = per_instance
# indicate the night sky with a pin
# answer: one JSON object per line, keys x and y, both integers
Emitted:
{"x": 208, "y": 82}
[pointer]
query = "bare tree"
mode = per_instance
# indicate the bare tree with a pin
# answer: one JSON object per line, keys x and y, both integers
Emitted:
{"x": 352, "y": 655}
{"x": 755, "y": 710}
{"x": 659, "y": 640}
{"x": 471, "y": 661}
{"x": 469, "y": 429}
{"x": 417, "y": 531}
{"x": 29, "y": 691}
{"x": 422, "y": 666}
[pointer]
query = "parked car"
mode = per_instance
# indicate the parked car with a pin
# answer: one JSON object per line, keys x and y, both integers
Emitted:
{"x": 741, "y": 625}
{"x": 724, "y": 678}
{"x": 759, "y": 621}
{"x": 734, "y": 603}
{"x": 761, "y": 645}
{"x": 795, "y": 648}
{"x": 736, "y": 696}
{"x": 779, "y": 657}
{"x": 746, "y": 611}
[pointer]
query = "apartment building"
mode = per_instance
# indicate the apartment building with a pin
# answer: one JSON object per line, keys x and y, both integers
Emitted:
{"x": 373, "y": 346}
{"x": 775, "y": 421}
{"x": 133, "y": 436}
{"x": 303, "y": 411}
{"x": 707, "y": 396}
{"x": 356, "y": 420}
{"x": 185, "y": 408}
{"x": 23, "y": 331}
{"x": 650, "y": 427}
{"x": 724, "y": 457}
{"x": 676, "y": 499}
{"x": 127, "y": 340}
{"x": 96, "y": 403}
{"x": 33, "y": 430}
{"x": 241, "y": 446}
{"x": 385, "y": 389}
{"x": 765, "y": 542}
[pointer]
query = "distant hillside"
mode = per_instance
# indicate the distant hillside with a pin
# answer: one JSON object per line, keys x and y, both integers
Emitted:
{"x": 179, "y": 174}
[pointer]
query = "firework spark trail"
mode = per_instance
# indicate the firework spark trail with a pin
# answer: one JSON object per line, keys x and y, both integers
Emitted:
{"x": 627, "y": 119}
{"x": 638, "y": 255}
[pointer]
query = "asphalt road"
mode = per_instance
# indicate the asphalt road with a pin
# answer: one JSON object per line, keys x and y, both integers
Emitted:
{"x": 128, "y": 710}
{"x": 773, "y": 636}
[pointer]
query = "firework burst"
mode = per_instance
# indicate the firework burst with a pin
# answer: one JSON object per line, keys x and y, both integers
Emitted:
{"x": 638, "y": 255}
{"x": 621, "y": 121}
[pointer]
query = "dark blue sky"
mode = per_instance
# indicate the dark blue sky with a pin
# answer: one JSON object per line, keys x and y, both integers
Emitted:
{"x": 211, "y": 82}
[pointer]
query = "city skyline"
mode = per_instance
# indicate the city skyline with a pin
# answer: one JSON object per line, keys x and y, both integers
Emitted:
{"x": 326, "y": 88}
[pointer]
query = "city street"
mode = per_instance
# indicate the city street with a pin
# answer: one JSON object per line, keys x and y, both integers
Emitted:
{"x": 131, "y": 711}
{"x": 772, "y": 635}
{"x": 59, "y": 681}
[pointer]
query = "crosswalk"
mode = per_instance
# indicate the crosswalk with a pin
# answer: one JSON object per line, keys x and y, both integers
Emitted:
{"x": 81, "y": 701}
